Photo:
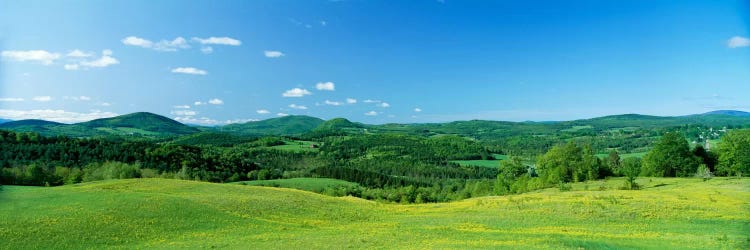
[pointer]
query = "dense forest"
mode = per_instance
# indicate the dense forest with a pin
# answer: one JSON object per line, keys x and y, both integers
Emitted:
{"x": 389, "y": 166}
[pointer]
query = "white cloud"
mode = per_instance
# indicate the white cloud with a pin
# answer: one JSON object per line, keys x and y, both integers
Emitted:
{"x": 273, "y": 54}
{"x": 351, "y": 100}
{"x": 263, "y": 111}
{"x": 79, "y": 53}
{"x": 184, "y": 112}
{"x": 54, "y": 115}
{"x": 104, "y": 61}
{"x": 105, "y": 104}
{"x": 11, "y": 99}
{"x": 332, "y": 103}
{"x": 174, "y": 45}
{"x": 371, "y": 113}
{"x": 738, "y": 42}
{"x": 41, "y": 56}
{"x": 329, "y": 86}
{"x": 207, "y": 50}
{"x": 216, "y": 101}
{"x": 163, "y": 45}
{"x": 77, "y": 98}
{"x": 71, "y": 67}
{"x": 200, "y": 121}
{"x": 372, "y": 101}
{"x": 208, "y": 121}
{"x": 295, "y": 106}
{"x": 45, "y": 98}
{"x": 218, "y": 41}
{"x": 181, "y": 106}
{"x": 296, "y": 92}
{"x": 189, "y": 70}
{"x": 417, "y": 110}
{"x": 137, "y": 41}
{"x": 198, "y": 103}
{"x": 383, "y": 105}
{"x": 282, "y": 114}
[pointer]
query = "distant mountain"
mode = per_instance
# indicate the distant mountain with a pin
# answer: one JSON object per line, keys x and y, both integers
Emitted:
{"x": 138, "y": 124}
{"x": 4, "y": 121}
{"x": 141, "y": 121}
{"x": 729, "y": 113}
{"x": 287, "y": 125}
{"x": 338, "y": 123}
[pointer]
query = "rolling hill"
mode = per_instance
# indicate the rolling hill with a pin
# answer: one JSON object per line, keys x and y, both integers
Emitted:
{"x": 287, "y": 125}
{"x": 135, "y": 124}
{"x": 668, "y": 213}
{"x": 152, "y": 125}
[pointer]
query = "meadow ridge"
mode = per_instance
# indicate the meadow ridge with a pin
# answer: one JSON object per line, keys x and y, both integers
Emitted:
{"x": 667, "y": 213}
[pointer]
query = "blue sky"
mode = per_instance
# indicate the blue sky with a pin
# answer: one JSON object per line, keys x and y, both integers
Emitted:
{"x": 215, "y": 62}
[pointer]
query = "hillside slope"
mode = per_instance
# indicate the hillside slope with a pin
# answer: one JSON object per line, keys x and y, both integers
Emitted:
{"x": 161, "y": 213}
{"x": 135, "y": 124}
{"x": 287, "y": 125}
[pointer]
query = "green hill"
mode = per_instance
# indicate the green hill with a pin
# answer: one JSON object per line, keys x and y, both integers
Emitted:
{"x": 338, "y": 123}
{"x": 135, "y": 124}
{"x": 287, "y": 125}
{"x": 140, "y": 122}
{"x": 668, "y": 213}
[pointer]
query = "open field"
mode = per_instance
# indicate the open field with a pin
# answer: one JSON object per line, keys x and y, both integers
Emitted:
{"x": 146, "y": 213}
{"x": 298, "y": 146}
{"x": 483, "y": 163}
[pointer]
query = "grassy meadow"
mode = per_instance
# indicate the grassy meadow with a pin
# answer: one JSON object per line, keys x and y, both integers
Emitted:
{"x": 667, "y": 213}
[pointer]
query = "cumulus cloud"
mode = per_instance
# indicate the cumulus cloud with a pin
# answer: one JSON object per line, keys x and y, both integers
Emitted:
{"x": 207, "y": 50}
{"x": 218, "y": 41}
{"x": 11, "y": 99}
{"x": 40, "y": 56}
{"x": 45, "y": 98}
{"x": 273, "y": 54}
{"x": 332, "y": 103}
{"x": 738, "y": 42}
{"x": 263, "y": 111}
{"x": 371, "y": 101}
{"x": 190, "y": 71}
{"x": 104, "y": 61}
{"x": 79, "y": 53}
{"x": 329, "y": 86}
{"x": 216, "y": 101}
{"x": 181, "y": 106}
{"x": 383, "y": 105}
{"x": 371, "y": 113}
{"x": 54, "y": 115}
{"x": 417, "y": 110}
{"x": 174, "y": 45}
{"x": 137, "y": 41}
{"x": 198, "y": 103}
{"x": 282, "y": 114}
{"x": 295, "y": 106}
{"x": 184, "y": 112}
{"x": 163, "y": 45}
{"x": 351, "y": 100}
{"x": 296, "y": 92}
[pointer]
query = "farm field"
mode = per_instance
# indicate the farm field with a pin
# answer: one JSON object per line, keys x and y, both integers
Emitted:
{"x": 483, "y": 163}
{"x": 667, "y": 213}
